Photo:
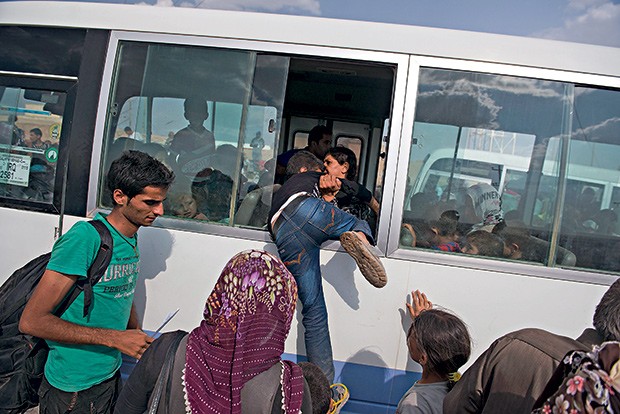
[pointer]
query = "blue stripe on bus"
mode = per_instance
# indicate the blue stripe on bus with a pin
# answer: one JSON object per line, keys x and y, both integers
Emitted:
{"x": 374, "y": 390}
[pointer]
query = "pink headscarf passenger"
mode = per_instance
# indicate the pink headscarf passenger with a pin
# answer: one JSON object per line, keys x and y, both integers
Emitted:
{"x": 246, "y": 320}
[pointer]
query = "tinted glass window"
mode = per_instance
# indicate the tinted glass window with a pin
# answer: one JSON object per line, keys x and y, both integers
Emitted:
{"x": 209, "y": 114}
{"x": 532, "y": 164}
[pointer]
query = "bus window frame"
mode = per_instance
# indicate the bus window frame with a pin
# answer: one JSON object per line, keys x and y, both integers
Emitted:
{"x": 398, "y": 60}
{"x": 499, "y": 266}
{"x": 62, "y": 84}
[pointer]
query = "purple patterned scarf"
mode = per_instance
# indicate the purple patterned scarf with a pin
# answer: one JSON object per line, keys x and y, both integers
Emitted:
{"x": 246, "y": 320}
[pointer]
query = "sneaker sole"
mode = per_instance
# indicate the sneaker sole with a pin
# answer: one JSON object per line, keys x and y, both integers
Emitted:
{"x": 369, "y": 264}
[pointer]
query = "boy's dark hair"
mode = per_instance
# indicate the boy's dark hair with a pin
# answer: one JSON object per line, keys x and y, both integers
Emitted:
{"x": 37, "y": 131}
{"x": 317, "y": 133}
{"x": 446, "y": 225}
{"x": 319, "y": 387}
{"x": 520, "y": 235}
{"x": 607, "y": 314}
{"x": 303, "y": 159}
{"x": 134, "y": 171}
{"x": 342, "y": 155}
{"x": 488, "y": 244}
{"x": 443, "y": 338}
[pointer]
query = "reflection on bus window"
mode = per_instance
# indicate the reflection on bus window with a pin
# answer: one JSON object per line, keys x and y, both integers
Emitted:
{"x": 215, "y": 127}
{"x": 30, "y": 123}
{"x": 498, "y": 151}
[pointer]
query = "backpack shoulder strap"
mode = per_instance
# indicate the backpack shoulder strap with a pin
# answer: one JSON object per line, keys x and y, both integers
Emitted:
{"x": 95, "y": 272}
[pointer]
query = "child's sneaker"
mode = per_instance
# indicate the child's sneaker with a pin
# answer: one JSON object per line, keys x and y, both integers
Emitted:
{"x": 340, "y": 396}
{"x": 369, "y": 263}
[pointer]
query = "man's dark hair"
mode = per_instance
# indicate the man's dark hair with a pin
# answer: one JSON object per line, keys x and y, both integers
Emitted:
{"x": 488, "y": 244}
{"x": 303, "y": 159}
{"x": 317, "y": 133}
{"x": 37, "y": 131}
{"x": 342, "y": 155}
{"x": 607, "y": 314}
{"x": 444, "y": 338}
{"x": 319, "y": 387}
{"x": 128, "y": 129}
{"x": 134, "y": 171}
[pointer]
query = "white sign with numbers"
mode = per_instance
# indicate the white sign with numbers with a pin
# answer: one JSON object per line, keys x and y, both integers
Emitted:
{"x": 14, "y": 169}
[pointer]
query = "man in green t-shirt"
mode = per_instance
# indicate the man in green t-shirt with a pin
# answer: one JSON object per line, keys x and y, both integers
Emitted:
{"x": 82, "y": 368}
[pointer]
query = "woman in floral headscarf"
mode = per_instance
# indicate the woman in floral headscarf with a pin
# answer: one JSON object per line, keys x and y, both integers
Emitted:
{"x": 584, "y": 382}
{"x": 231, "y": 363}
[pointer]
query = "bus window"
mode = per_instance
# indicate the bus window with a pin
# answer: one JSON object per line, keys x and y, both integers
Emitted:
{"x": 481, "y": 137}
{"x": 355, "y": 144}
{"x": 590, "y": 212}
{"x": 209, "y": 114}
{"x": 30, "y": 126}
{"x": 300, "y": 139}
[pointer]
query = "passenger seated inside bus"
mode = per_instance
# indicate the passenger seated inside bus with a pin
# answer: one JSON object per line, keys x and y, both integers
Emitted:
{"x": 319, "y": 142}
{"x": 212, "y": 191}
{"x": 359, "y": 202}
{"x": 519, "y": 244}
{"x": 182, "y": 204}
{"x": 480, "y": 206}
{"x": 439, "y": 341}
{"x": 445, "y": 232}
{"x": 225, "y": 160}
{"x": 483, "y": 243}
{"x": 234, "y": 357}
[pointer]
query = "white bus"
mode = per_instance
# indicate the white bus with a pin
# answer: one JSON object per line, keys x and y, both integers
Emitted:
{"x": 82, "y": 73}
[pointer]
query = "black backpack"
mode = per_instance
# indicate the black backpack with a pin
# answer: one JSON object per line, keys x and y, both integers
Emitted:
{"x": 22, "y": 357}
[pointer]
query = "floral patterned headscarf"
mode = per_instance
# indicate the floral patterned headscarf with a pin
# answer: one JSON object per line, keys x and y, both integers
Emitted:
{"x": 246, "y": 320}
{"x": 584, "y": 382}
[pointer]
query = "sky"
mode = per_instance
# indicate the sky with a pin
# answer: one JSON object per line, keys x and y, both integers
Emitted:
{"x": 583, "y": 21}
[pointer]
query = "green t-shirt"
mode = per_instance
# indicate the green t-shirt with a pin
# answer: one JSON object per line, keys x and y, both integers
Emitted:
{"x": 71, "y": 367}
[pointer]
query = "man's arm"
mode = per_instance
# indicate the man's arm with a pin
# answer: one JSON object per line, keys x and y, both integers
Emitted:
{"x": 38, "y": 320}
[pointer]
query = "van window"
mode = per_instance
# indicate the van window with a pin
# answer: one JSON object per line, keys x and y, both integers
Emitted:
{"x": 499, "y": 154}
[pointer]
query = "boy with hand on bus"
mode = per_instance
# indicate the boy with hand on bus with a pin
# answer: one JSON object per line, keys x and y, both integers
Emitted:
{"x": 440, "y": 343}
{"x": 82, "y": 368}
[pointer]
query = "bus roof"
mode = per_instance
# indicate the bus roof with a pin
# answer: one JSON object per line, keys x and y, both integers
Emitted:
{"x": 314, "y": 31}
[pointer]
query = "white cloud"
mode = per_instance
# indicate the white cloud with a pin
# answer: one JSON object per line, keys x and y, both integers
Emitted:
{"x": 596, "y": 22}
{"x": 303, "y": 7}
{"x": 584, "y": 4}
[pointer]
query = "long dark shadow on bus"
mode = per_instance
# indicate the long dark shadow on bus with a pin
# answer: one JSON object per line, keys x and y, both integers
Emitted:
{"x": 155, "y": 249}
{"x": 340, "y": 274}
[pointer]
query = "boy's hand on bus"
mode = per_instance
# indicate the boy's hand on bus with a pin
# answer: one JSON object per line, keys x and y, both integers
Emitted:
{"x": 133, "y": 342}
{"x": 419, "y": 303}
